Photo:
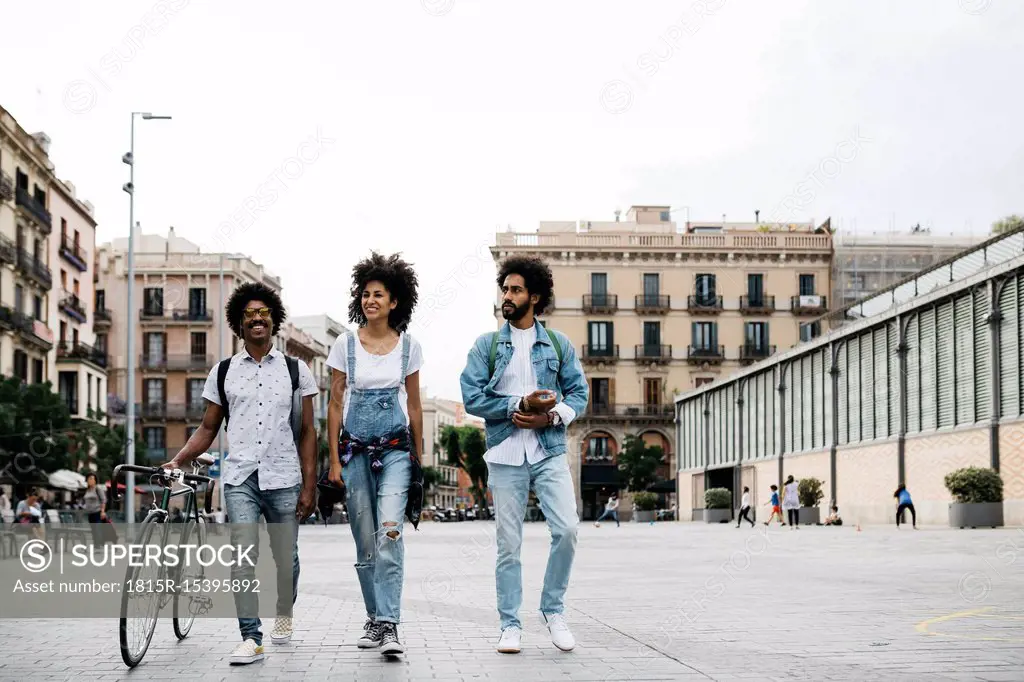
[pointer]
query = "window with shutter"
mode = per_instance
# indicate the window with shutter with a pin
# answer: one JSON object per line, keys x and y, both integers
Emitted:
{"x": 844, "y": 394}
{"x": 927, "y": 365}
{"x": 826, "y": 396}
{"x": 945, "y": 359}
{"x": 808, "y": 410}
{"x": 867, "y": 387}
{"x": 893, "y": 372}
{"x": 982, "y": 356}
{"x": 914, "y": 415}
{"x": 963, "y": 315}
{"x": 880, "y": 382}
{"x": 1009, "y": 350}
{"x": 818, "y": 404}
{"x": 854, "y": 415}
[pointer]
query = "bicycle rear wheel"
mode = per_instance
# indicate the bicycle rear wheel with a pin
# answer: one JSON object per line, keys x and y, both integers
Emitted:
{"x": 188, "y": 601}
{"x": 140, "y": 600}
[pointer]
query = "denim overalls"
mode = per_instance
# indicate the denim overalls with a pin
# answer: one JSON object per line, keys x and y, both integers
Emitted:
{"x": 377, "y": 483}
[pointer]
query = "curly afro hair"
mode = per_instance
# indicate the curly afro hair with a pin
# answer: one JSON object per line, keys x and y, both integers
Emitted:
{"x": 537, "y": 275}
{"x": 254, "y": 291}
{"x": 398, "y": 278}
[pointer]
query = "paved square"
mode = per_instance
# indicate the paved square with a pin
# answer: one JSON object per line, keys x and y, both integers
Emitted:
{"x": 647, "y": 602}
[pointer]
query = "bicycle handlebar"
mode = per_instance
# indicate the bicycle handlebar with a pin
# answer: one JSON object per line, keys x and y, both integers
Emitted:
{"x": 168, "y": 476}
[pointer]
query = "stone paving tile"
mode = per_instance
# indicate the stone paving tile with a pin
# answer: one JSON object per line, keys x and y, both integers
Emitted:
{"x": 661, "y": 602}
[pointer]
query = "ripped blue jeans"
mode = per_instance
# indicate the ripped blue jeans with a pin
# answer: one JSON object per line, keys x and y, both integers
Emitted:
{"x": 376, "y": 511}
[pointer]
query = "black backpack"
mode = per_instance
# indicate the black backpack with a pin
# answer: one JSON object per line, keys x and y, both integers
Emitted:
{"x": 293, "y": 372}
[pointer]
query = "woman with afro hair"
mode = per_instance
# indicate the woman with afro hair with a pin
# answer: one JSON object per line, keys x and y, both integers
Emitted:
{"x": 375, "y": 425}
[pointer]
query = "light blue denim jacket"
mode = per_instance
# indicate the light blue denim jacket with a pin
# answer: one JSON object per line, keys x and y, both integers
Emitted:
{"x": 481, "y": 400}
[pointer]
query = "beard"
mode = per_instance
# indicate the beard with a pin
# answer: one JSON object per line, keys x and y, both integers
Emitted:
{"x": 516, "y": 312}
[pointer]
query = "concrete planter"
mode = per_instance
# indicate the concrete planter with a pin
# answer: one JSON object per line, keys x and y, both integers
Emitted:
{"x": 981, "y": 515}
{"x": 810, "y": 516}
{"x": 717, "y": 515}
{"x": 644, "y": 516}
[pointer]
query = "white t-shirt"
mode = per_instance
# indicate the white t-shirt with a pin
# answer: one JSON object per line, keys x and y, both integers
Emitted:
{"x": 791, "y": 499}
{"x": 746, "y": 501}
{"x": 376, "y": 371}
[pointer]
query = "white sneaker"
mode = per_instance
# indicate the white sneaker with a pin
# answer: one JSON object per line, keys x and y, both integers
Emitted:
{"x": 561, "y": 636}
{"x": 247, "y": 652}
{"x": 282, "y": 632}
{"x": 511, "y": 638}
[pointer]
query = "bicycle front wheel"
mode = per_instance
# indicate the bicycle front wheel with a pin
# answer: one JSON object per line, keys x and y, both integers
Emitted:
{"x": 188, "y": 601}
{"x": 141, "y": 599}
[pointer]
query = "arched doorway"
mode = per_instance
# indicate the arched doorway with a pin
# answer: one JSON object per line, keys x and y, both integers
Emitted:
{"x": 658, "y": 439}
{"x": 598, "y": 471}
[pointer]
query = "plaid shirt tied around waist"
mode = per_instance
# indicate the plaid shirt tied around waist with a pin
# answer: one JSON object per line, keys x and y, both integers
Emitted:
{"x": 350, "y": 446}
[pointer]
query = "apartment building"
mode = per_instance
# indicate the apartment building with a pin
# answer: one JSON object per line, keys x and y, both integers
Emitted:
{"x": 26, "y": 279}
{"x": 326, "y": 330}
{"x": 866, "y": 263}
{"x": 79, "y": 367}
{"x": 455, "y": 484}
{"x": 305, "y": 346}
{"x": 180, "y": 329}
{"x": 655, "y": 309}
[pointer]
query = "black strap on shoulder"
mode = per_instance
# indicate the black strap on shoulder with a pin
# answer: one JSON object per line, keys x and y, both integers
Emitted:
{"x": 293, "y": 371}
{"x": 222, "y": 375}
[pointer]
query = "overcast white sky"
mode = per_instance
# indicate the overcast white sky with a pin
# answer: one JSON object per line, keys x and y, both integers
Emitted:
{"x": 441, "y": 120}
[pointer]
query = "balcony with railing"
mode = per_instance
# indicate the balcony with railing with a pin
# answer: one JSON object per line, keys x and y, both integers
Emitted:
{"x": 653, "y": 352}
{"x": 34, "y": 269}
{"x": 6, "y": 317}
{"x": 752, "y": 352}
{"x": 153, "y": 315}
{"x": 600, "y": 304}
{"x": 602, "y": 240}
{"x": 164, "y": 411}
{"x": 757, "y": 305}
{"x": 72, "y": 306}
{"x": 809, "y": 305}
{"x": 102, "y": 317}
{"x": 34, "y": 208}
{"x": 713, "y": 355}
{"x": 176, "y": 362}
{"x": 711, "y": 305}
{"x": 652, "y": 304}
{"x": 6, "y": 187}
{"x": 32, "y": 331}
{"x": 629, "y": 412}
{"x": 8, "y": 251}
{"x": 593, "y": 354}
{"x": 75, "y": 352}
{"x": 73, "y": 253}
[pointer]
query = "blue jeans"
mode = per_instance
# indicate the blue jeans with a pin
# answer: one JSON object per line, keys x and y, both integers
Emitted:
{"x": 245, "y": 503}
{"x": 376, "y": 511}
{"x": 510, "y": 487}
{"x": 609, "y": 512}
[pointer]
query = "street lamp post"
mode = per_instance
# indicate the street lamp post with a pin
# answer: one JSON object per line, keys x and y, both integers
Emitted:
{"x": 129, "y": 429}
{"x": 220, "y": 353}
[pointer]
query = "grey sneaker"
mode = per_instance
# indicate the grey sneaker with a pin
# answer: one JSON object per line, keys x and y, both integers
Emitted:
{"x": 372, "y": 631}
{"x": 390, "y": 644}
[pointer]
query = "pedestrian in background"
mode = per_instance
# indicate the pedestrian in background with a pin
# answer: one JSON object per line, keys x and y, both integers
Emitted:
{"x": 791, "y": 503}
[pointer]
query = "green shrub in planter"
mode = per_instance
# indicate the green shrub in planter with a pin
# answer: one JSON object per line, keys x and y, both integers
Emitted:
{"x": 717, "y": 498}
{"x": 810, "y": 492}
{"x": 645, "y": 501}
{"x": 973, "y": 485}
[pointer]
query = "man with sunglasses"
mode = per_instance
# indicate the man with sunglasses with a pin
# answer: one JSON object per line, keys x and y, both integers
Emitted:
{"x": 266, "y": 473}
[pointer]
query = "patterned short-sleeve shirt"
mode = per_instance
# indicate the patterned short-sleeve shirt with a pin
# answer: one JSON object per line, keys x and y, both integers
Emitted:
{"x": 259, "y": 431}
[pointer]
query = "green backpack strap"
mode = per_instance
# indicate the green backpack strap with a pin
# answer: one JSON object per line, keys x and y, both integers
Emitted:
{"x": 494, "y": 351}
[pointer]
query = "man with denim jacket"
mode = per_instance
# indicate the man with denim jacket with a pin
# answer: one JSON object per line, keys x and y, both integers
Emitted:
{"x": 532, "y": 395}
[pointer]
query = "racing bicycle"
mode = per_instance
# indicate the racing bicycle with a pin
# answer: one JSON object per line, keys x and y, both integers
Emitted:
{"x": 141, "y": 607}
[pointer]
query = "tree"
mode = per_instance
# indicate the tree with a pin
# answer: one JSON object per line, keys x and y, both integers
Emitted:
{"x": 474, "y": 449}
{"x": 638, "y": 463}
{"x": 1008, "y": 224}
{"x": 106, "y": 446}
{"x": 36, "y": 427}
{"x": 452, "y": 436}
{"x": 431, "y": 477}
{"x": 465, "y": 447}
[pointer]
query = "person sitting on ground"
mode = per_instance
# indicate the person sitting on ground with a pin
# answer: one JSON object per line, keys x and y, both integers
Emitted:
{"x": 834, "y": 519}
